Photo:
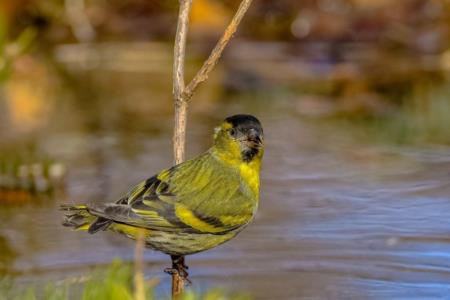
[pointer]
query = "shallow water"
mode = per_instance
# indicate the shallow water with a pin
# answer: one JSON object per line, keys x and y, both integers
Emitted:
{"x": 340, "y": 217}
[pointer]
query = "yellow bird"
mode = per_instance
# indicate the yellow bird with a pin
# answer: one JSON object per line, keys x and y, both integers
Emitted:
{"x": 193, "y": 206}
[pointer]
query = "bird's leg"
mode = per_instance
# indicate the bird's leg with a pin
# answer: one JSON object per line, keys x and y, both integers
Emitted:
{"x": 179, "y": 267}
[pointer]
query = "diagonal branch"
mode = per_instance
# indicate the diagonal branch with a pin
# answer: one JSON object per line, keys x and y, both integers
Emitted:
{"x": 213, "y": 58}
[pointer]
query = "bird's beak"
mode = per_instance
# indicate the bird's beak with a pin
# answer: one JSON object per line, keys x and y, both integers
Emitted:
{"x": 254, "y": 137}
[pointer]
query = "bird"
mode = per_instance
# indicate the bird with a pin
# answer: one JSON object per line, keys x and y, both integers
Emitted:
{"x": 190, "y": 207}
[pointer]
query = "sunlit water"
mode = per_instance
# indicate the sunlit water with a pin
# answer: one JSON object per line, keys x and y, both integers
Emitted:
{"x": 340, "y": 217}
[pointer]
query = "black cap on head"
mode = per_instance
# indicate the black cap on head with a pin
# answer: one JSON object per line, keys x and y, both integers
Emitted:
{"x": 245, "y": 122}
{"x": 248, "y": 131}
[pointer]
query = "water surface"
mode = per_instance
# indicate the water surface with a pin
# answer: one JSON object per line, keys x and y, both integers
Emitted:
{"x": 340, "y": 217}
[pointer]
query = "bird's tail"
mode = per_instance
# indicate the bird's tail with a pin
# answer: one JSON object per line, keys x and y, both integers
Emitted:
{"x": 77, "y": 217}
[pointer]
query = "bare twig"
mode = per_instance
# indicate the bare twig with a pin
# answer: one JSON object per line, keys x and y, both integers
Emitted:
{"x": 177, "y": 283}
{"x": 180, "y": 48}
{"x": 182, "y": 94}
{"x": 179, "y": 137}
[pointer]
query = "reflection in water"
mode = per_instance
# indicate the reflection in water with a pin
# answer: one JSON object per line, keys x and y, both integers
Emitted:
{"x": 340, "y": 217}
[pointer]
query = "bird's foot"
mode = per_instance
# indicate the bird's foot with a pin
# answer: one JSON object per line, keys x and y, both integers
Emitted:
{"x": 170, "y": 271}
{"x": 180, "y": 272}
{"x": 179, "y": 268}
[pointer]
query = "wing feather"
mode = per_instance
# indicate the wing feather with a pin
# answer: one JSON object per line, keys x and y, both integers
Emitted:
{"x": 190, "y": 197}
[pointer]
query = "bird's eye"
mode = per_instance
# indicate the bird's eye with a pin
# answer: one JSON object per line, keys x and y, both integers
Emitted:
{"x": 232, "y": 132}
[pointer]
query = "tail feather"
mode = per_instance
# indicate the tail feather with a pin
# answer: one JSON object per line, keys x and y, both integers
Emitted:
{"x": 99, "y": 224}
{"x": 78, "y": 217}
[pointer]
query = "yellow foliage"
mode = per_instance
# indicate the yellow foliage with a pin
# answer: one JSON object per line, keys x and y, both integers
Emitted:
{"x": 208, "y": 16}
{"x": 27, "y": 95}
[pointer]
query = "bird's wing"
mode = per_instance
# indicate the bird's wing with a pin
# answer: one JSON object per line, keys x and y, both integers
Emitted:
{"x": 196, "y": 197}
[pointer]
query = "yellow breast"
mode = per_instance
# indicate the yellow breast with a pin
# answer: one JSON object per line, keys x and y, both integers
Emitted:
{"x": 250, "y": 175}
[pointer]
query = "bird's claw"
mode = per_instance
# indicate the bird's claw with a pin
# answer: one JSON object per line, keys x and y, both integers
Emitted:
{"x": 182, "y": 273}
{"x": 187, "y": 281}
{"x": 179, "y": 268}
{"x": 170, "y": 271}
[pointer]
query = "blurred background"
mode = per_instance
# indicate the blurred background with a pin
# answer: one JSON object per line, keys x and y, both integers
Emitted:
{"x": 354, "y": 99}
